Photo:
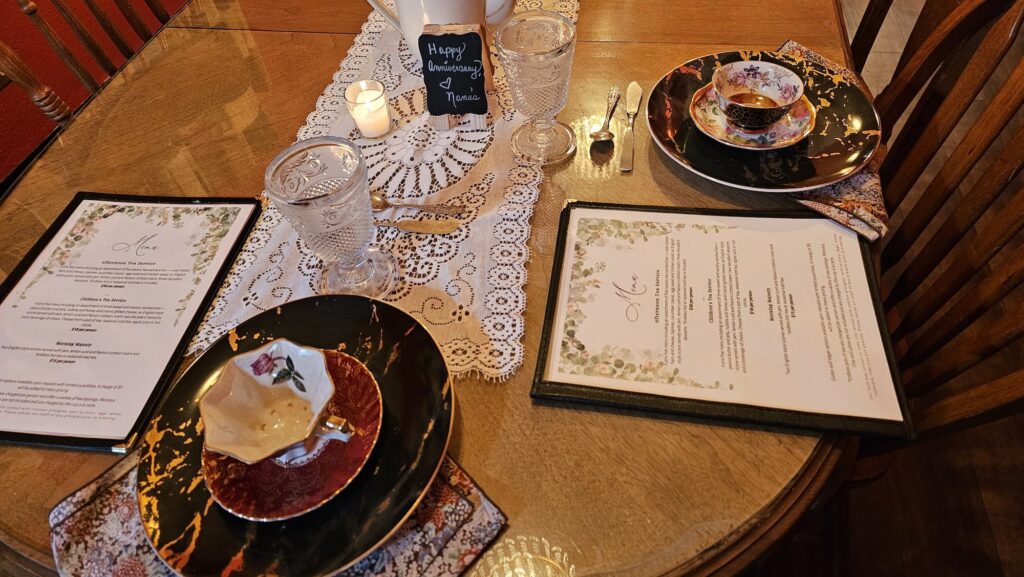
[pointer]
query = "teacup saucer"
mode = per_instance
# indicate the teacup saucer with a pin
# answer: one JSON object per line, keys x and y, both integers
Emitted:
{"x": 268, "y": 491}
{"x": 711, "y": 120}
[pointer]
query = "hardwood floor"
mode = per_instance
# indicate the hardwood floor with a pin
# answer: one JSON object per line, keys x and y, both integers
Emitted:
{"x": 951, "y": 506}
{"x": 954, "y": 506}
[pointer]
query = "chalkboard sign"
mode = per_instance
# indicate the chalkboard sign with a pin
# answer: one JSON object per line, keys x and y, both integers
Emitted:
{"x": 455, "y": 69}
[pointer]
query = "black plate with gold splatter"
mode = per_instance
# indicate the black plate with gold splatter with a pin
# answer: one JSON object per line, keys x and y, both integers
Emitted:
{"x": 845, "y": 136}
{"x": 196, "y": 537}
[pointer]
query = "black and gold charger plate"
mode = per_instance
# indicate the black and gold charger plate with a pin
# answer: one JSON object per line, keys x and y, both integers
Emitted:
{"x": 845, "y": 136}
{"x": 194, "y": 536}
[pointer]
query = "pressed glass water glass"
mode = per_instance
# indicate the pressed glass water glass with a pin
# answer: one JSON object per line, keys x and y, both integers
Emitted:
{"x": 535, "y": 49}
{"x": 320, "y": 186}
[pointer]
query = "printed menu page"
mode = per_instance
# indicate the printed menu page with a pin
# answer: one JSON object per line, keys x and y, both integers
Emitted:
{"x": 87, "y": 331}
{"x": 769, "y": 312}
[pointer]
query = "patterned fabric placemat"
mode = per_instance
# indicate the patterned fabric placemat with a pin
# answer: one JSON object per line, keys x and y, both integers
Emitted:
{"x": 856, "y": 202}
{"x": 97, "y": 531}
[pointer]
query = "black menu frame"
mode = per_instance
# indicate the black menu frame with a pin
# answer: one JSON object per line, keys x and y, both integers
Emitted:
{"x": 544, "y": 389}
{"x": 176, "y": 356}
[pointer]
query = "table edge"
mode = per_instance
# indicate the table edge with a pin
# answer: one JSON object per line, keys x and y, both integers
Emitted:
{"x": 821, "y": 475}
{"x": 11, "y": 557}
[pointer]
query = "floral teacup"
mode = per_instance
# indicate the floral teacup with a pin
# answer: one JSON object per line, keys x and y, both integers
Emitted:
{"x": 754, "y": 94}
{"x": 269, "y": 402}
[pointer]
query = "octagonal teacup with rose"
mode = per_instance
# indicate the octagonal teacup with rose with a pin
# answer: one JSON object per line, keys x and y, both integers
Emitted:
{"x": 755, "y": 95}
{"x": 269, "y": 403}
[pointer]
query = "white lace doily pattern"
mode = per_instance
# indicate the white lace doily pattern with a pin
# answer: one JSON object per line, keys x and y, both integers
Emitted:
{"x": 465, "y": 287}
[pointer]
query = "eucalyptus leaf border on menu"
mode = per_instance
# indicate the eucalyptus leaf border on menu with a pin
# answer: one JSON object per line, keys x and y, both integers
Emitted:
{"x": 221, "y": 214}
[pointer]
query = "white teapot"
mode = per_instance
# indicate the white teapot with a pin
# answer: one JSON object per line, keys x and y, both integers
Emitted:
{"x": 414, "y": 14}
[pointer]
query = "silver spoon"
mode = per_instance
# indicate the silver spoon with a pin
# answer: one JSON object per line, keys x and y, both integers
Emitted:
{"x": 604, "y": 134}
{"x": 378, "y": 202}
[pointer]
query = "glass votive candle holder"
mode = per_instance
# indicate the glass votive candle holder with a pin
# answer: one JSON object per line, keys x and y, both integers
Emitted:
{"x": 368, "y": 105}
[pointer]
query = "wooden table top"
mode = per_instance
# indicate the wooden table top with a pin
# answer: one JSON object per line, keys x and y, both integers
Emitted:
{"x": 203, "y": 108}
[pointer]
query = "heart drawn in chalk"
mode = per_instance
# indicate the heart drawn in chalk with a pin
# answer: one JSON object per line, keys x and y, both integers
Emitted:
{"x": 447, "y": 84}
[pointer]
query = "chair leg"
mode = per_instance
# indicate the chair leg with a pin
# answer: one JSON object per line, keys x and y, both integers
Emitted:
{"x": 14, "y": 68}
{"x": 30, "y": 9}
{"x": 133, "y": 19}
{"x": 158, "y": 10}
{"x": 837, "y": 533}
{"x": 53, "y": 107}
{"x": 874, "y": 458}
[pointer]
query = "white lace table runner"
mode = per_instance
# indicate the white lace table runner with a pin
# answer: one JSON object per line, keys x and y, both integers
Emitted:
{"x": 465, "y": 287}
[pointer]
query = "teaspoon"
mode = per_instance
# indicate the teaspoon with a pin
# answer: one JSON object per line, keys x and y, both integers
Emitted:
{"x": 604, "y": 134}
{"x": 378, "y": 202}
{"x": 443, "y": 226}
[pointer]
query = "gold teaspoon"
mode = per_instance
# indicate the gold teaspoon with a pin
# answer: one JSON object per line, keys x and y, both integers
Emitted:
{"x": 378, "y": 202}
{"x": 442, "y": 226}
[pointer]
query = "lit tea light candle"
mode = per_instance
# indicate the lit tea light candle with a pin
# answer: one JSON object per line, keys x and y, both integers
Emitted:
{"x": 368, "y": 105}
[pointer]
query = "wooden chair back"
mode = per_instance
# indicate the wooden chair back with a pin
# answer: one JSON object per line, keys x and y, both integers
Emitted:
{"x": 952, "y": 265}
{"x": 106, "y": 22}
{"x": 13, "y": 69}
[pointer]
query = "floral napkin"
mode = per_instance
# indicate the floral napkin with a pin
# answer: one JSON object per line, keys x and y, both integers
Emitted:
{"x": 856, "y": 202}
{"x": 97, "y": 532}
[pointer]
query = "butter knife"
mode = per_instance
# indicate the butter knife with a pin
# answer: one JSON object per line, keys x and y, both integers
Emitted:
{"x": 439, "y": 226}
{"x": 634, "y": 94}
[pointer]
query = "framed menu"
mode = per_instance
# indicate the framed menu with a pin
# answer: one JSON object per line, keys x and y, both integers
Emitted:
{"x": 763, "y": 317}
{"x": 95, "y": 319}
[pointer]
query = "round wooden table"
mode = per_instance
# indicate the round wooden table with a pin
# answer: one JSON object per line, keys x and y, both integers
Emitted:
{"x": 206, "y": 105}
